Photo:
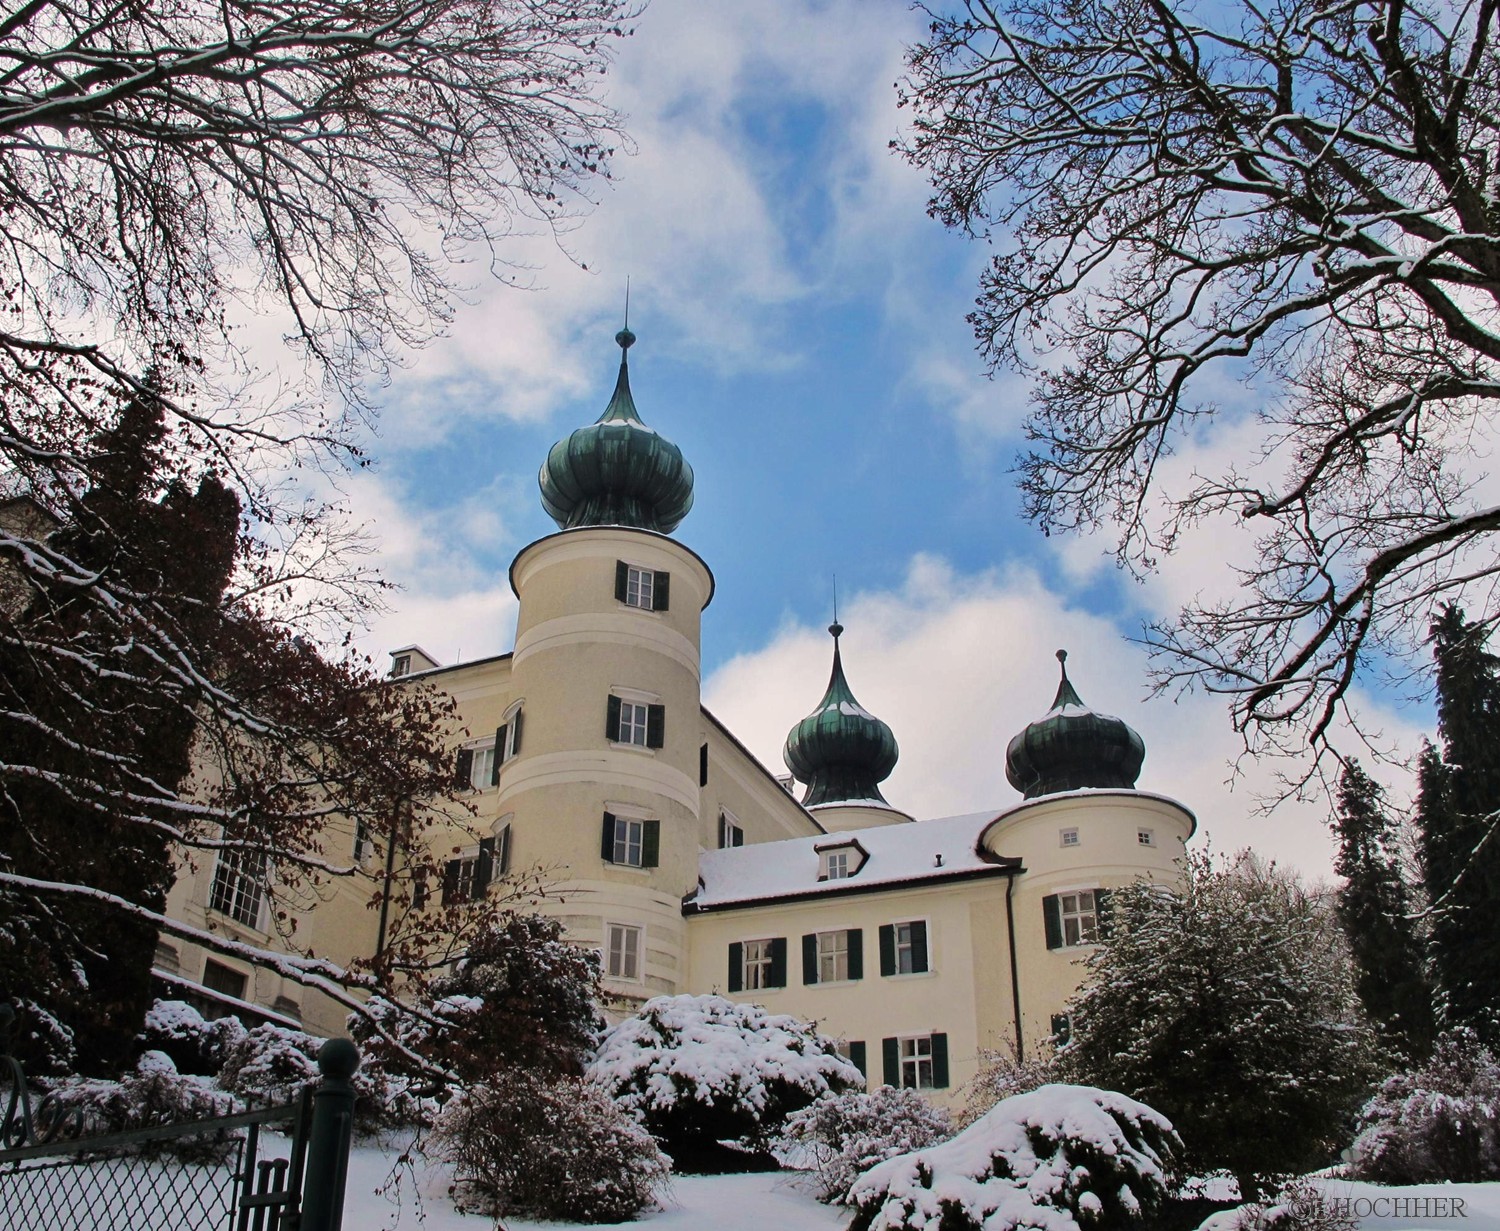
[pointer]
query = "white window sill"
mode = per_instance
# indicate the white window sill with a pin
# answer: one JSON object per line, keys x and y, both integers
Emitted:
{"x": 912, "y": 974}
{"x": 837, "y": 983}
{"x": 623, "y": 747}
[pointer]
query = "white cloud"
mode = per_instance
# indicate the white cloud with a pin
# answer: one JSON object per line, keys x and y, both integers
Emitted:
{"x": 959, "y": 664}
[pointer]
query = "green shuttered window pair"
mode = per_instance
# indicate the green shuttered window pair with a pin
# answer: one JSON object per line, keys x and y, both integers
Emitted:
{"x": 903, "y": 948}
{"x": 629, "y": 842}
{"x": 918, "y": 1062}
{"x": 755, "y": 965}
{"x": 642, "y": 587}
{"x": 632, "y": 722}
{"x": 1079, "y": 917}
{"x": 833, "y": 957}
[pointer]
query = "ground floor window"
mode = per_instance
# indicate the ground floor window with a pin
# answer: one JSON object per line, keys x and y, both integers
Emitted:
{"x": 622, "y": 955}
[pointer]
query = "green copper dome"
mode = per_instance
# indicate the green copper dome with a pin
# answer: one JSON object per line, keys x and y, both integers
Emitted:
{"x": 841, "y": 750}
{"x": 617, "y": 471}
{"x": 1072, "y": 747}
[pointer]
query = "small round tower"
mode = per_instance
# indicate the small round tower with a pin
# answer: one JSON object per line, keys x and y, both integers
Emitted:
{"x": 604, "y": 789}
{"x": 843, "y": 753}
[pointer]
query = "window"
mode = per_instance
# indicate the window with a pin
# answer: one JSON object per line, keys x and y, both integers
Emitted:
{"x": 467, "y": 878}
{"x": 635, "y": 722}
{"x": 833, "y": 957}
{"x": 1145, "y": 837}
{"x": 476, "y": 767}
{"x": 903, "y": 948}
{"x": 622, "y": 958}
{"x": 220, "y": 978}
{"x": 1068, "y": 837}
{"x": 400, "y": 665}
{"x": 730, "y": 833}
{"x": 364, "y": 844}
{"x": 836, "y": 865}
{"x": 641, "y": 587}
{"x": 839, "y": 860}
{"x": 239, "y": 888}
{"x": 853, "y": 1050}
{"x": 630, "y": 842}
{"x": 1075, "y": 918}
{"x": 507, "y": 740}
{"x": 917, "y": 1062}
{"x": 757, "y": 965}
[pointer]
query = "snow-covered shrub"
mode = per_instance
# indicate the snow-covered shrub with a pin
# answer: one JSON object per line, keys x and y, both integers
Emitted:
{"x": 846, "y": 1134}
{"x": 153, "y": 1094}
{"x": 698, "y": 1070}
{"x": 552, "y": 1147}
{"x": 1438, "y": 1122}
{"x": 40, "y": 1039}
{"x": 1060, "y": 1157}
{"x": 521, "y": 995}
{"x": 1298, "y": 1206}
{"x": 1001, "y": 1076}
{"x": 195, "y": 1044}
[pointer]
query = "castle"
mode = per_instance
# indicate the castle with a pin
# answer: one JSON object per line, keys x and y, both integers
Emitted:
{"x": 686, "y": 863}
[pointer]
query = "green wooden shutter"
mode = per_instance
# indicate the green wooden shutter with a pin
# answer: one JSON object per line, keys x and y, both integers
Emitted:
{"x": 858, "y": 1058}
{"x": 418, "y": 888}
{"x": 612, "y": 719}
{"x": 810, "y": 958}
{"x": 890, "y": 1061}
{"x": 464, "y": 769}
{"x": 887, "y": 949}
{"x": 660, "y": 591}
{"x": 1104, "y": 912}
{"x": 622, "y": 580}
{"x": 515, "y": 734}
{"x": 856, "y": 953}
{"x": 484, "y": 871}
{"x": 1052, "y": 917}
{"x": 703, "y": 768}
{"x": 450, "y": 882}
{"x": 919, "y": 946}
{"x": 778, "y": 962}
{"x": 607, "y": 844}
{"x": 656, "y": 725}
{"x": 499, "y": 752}
{"x": 738, "y": 837}
{"x": 736, "y": 966}
{"x": 940, "y": 1061}
{"x": 650, "y": 843}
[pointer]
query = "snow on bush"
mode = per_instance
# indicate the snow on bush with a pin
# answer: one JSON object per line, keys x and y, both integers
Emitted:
{"x": 552, "y": 1147}
{"x": 846, "y": 1134}
{"x": 195, "y": 1044}
{"x": 1062, "y": 1158}
{"x": 696, "y": 1070}
{"x": 154, "y": 1094}
{"x": 1001, "y": 1076}
{"x": 1438, "y": 1122}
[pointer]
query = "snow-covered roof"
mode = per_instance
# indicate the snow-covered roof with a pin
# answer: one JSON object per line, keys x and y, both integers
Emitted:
{"x": 935, "y": 850}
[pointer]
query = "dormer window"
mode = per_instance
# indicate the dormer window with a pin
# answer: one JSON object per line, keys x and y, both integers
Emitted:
{"x": 400, "y": 665}
{"x": 840, "y": 860}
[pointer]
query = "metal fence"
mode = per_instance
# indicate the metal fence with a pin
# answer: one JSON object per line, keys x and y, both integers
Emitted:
{"x": 52, "y": 1178}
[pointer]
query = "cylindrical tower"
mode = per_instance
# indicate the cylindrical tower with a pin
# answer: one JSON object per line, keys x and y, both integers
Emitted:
{"x": 604, "y": 790}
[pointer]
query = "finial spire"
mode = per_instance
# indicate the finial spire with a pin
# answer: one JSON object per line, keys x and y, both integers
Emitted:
{"x": 625, "y": 338}
{"x": 835, "y": 628}
{"x": 1065, "y": 692}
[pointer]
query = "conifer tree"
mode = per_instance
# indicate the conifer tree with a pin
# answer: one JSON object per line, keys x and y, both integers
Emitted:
{"x": 1458, "y": 813}
{"x": 1374, "y": 909}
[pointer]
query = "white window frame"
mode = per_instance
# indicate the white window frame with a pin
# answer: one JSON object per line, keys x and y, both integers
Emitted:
{"x": 239, "y": 887}
{"x": 483, "y": 767}
{"x": 833, "y": 956}
{"x": 1068, "y": 837}
{"x": 630, "y": 837}
{"x": 916, "y": 1063}
{"x": 731, "y": 827}
{"x": 640, "y": 587}
{"x": 756, "y": 965}
{"x": 836, "y": 864}
{"x": 1145, "y": 837}
{"x": 364, "y": 841}
{"x": 906, "y": 949}
{"x": 635, "y": 718}
{"x": 1078, "y": 911}
{"x": 624, "y": 945}
{"x": 509, "y": 723}
{"x": 400, "y": 665}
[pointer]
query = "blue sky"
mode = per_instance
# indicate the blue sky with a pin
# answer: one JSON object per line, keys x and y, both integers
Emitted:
{"x": 802, "y": 338}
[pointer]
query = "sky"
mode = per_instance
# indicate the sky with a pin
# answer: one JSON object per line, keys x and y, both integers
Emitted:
{"x": 801, "y": 336}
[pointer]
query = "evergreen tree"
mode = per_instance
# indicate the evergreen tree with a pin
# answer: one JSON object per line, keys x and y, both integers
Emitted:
{"x": 1229, "y": 1006}
{"x": 1458, "y": 812}
{"x": 1375, "y": 911}
{"x": 82, "y": 969}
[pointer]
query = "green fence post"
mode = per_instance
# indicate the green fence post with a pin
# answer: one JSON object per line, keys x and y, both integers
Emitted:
{"x": 329, "y": 1138}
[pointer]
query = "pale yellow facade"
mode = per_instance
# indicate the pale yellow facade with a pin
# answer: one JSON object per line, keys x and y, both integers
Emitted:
{"x": 670, "y": 849}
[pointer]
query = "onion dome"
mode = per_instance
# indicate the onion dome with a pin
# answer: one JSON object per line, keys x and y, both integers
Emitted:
{"x": 617, "y": 471}
{"x": 1072, "y": 747}
{"x": 841, "y": 750}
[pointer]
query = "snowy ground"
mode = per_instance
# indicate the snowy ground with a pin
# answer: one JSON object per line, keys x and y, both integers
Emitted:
{"x": 758, "y": 1202}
